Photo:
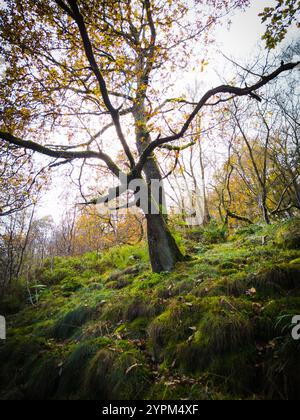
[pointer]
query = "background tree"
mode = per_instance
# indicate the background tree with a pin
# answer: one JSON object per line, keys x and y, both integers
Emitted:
{"x": 15, "y": 231}
{"x": 21, "y": 184}
{"x": 259, "y": 177}
{"x": 97, "y": 232}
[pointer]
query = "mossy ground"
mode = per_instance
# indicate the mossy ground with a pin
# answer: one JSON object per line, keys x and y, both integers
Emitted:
{"x": 218, "y": 327}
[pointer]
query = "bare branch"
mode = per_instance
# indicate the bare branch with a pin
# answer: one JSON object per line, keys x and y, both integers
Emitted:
{"x": 61, "y": 154}
{"x": 211, "y": 93}
{"x": 78, "y": 18}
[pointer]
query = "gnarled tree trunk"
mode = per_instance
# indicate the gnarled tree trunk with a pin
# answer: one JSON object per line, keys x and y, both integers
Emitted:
{"x": 163, "y": 250}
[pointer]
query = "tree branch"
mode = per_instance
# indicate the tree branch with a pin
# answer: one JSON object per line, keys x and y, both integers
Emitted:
{"x": 211, "y": 93}
{"x": 237, "y": 217}
{"x": 178, "y": 148}
{"x": 61, "y": 154}
{"x": 79, "y": 20}
{"x": 63, "y": 6}
{"x": 277, "y": 209}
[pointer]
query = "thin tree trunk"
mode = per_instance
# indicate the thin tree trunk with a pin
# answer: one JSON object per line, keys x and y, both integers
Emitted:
{"x": 24, "y": 247}
{"x": 163, "y": 250}
{"x": 265, "y": 212}
{"x": 206, "y": 214}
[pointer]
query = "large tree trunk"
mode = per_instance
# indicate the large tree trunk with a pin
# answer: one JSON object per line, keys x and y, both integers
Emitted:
{"x": 152, "y": 171}
{"x": 163, "y": 250}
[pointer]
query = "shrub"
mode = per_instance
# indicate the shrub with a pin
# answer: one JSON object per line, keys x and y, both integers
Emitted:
{"x": 56, "y": 275}
{"x": 120, "y": 257}
{"x": 208, "y": 235}
{"x": 249, "y": 230}
{"x": 70, "y": 285}
{"x": 11, "y": 304}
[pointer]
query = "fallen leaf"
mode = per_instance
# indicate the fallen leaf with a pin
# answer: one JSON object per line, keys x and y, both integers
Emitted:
{"x": 133, "y": 367}
{"x": 251, "y": 292}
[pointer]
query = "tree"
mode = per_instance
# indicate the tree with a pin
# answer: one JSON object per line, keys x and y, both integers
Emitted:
{"x": 15, "y": 231}
{"x": 20, "y": 183}
{"x": 258, "y": 156}
{"x": 96, "y": 232}
{"x": 260, "y": 177}
{"x": 108, "y": 64}
{"x": 279, "y": 19}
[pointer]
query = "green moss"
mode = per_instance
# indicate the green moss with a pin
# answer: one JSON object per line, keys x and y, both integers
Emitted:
{"x": 236, "y": 371}
{"x": 281, "y": 369}
{"x": 135, "y": 330}
{"x": 276, "y": 279}
{"x": 201, "y": 328}
{"x": 269, "y": 281}
{"x": 66, "y": 326}
{"x": 72, "y": 374}
{"x": 43, "y": 379}
{"x": 288, "y": 235}
{"x": 275, "y": 317}
{"x": 172, "y": 327}
{"x": 130, "y": 307}
{"x": 234, "y": 285}
{"x": 16, "y": 356}
{"x": 218, "y": 327}
{"x": 225, "y": 327}
{"x": 193, "y": 332}
{"x": 118, "y": 372}
{"x": 118, "y": 284}
{"x": 229, "y": 265}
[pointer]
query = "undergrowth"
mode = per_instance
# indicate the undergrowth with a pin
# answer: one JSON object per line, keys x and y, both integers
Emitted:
{"x": 103, "y": 326}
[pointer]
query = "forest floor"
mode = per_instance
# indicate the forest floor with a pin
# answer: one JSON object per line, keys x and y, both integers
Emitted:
{"x": 218, "y": 327}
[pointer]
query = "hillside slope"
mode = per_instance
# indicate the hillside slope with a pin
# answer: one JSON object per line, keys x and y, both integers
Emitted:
{"x": 219, "y": 327}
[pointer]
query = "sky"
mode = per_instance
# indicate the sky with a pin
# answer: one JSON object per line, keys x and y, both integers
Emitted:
{"x": 240, "y": 42}
{"x": 245, "y": 32}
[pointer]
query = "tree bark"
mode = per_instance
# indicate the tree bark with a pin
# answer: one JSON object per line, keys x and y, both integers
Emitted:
{"x": 265, "y": 213}
{"x": 163, "y": 250}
